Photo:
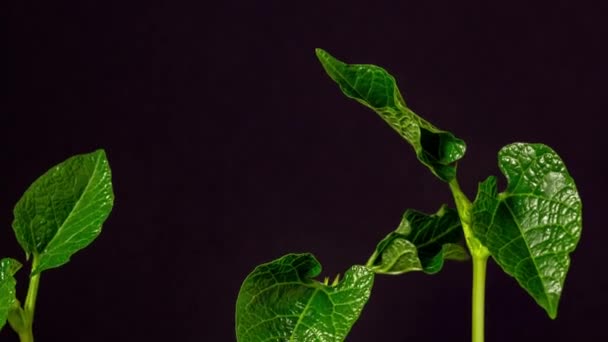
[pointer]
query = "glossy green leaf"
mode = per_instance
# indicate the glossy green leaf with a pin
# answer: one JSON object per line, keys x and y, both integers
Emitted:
{"x": 63, "y": 210}
{"x": 280, "y": 301}
{"x": 531, "y": 228}
{"x": 421, "y": 243}
{"x": 8, "y": 268}
{"x": 375, "y": 88}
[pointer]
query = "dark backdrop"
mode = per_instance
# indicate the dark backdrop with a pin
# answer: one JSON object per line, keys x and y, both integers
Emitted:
{"x": 231, "y": 147}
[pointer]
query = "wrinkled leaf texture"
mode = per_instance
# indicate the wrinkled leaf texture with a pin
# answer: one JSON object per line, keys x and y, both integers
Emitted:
{"x": 280, "y": 301}
{"x": 531, "y": 228}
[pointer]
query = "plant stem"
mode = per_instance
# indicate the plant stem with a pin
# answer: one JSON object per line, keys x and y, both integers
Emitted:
{"x": 370, "y": 262}
{"x": 27, "y": 335}
{"x": 479, "y": 289}
{"x": 479, "y": 254}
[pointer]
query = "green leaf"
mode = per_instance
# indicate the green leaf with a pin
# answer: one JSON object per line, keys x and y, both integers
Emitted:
{"x": 421, "y": 243}
{"x": 531, "y": 228}
{"x": 280, "y": 301}
{"x": 62, "y": 211}
{"x": 375, "y": 88}
{"x": 8, "y": 268}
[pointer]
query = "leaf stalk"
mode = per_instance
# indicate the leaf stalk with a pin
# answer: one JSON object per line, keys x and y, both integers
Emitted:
{"x": 26, "y": 333}
{"x": 479, "y": 254}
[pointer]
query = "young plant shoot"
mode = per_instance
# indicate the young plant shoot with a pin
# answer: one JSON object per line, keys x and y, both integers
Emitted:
{"x": 59, "y": 214}
{"x": 529, "y": 229}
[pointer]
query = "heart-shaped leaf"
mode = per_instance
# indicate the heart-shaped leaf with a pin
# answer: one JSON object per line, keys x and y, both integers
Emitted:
{"x": 8, "y": 267}
{"x": 531, "y": 228}
{"x": 421, "y": 243}
{"x": 375, "y": 88}
{"x": 280, "y": 301}
{"x": 63, "y": 210}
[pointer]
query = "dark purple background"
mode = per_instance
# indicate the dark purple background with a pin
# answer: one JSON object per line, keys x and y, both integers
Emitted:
{"x": 231, "y": 147}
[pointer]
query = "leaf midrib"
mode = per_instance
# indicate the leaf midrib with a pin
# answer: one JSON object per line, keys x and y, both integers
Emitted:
{"x": 401, "y": 254}
{"x": 521, "y": 234}
{"x": 361, "y": 96}
{"x": 76, "y": 205}
{"x": 446, "y": 232}
{"x": 295, "y": 328}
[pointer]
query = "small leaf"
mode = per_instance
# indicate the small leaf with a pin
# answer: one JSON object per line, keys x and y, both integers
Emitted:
{"x": 375, "y": 88}
{"x": 421, "y": 243}
{"x": 280, "y": 301}
{"x": 8, "y": 268}
{"x": 532, "y": 227}
{"x": 63, "y": 210}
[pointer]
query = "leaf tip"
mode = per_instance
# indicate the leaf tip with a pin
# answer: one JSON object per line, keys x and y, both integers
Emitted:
{"x": 327, "y": 60}
{"x": 551, "y": 307}
{"x": 322, "y": 55}
{"x": 9, "y": 266}
{"x": 100, "y": 153}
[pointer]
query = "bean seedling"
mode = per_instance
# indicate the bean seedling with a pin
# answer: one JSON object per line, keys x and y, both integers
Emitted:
{"x": 59, "y": 214}
{"x": 529, "y": 229}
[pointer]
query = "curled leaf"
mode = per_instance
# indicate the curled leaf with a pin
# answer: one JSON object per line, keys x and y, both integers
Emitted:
{"x": 421, "y": 243}
{"x": 375, "y": 88}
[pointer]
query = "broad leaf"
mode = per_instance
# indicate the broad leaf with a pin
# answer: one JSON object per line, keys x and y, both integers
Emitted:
{"x": 280, "y": 301}
{"x": 375, "y": 88}
{"x": 63, "y": 210}
{"x": 8, "y": 267}
{"x": 421, "y": 243}
{"x": 531, "y": 228}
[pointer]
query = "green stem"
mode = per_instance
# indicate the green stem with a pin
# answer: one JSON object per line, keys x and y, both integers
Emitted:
{"x": 479, "y": 290}
{"x": 480, "y": 255}
{"x": 464, "y": 208}
{"x": 370, "y": 262}
{"x": 27, "y": 335}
